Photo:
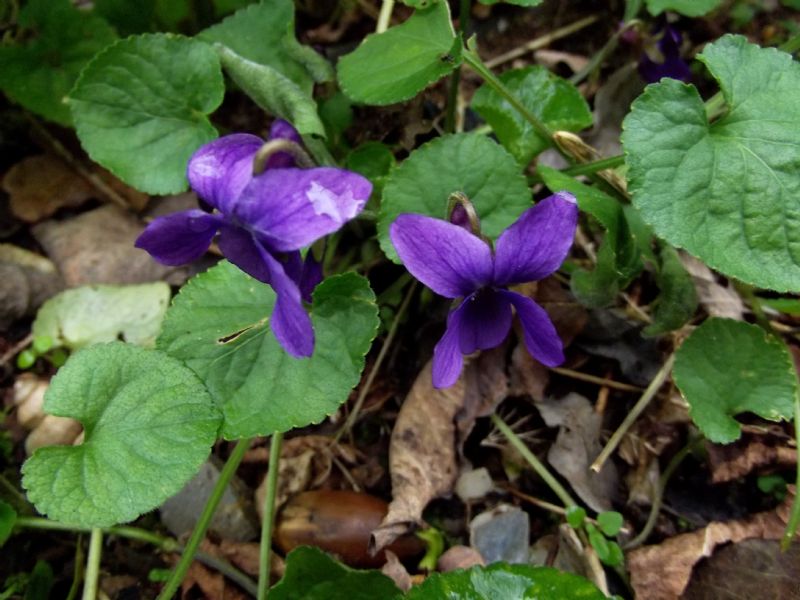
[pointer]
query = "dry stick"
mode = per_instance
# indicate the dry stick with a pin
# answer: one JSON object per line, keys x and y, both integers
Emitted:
{"x": 624, "y": 387}
{"x": 362, "y": 394}
{"x": 640, "y": 405}
{"x": 541, "y": 42}
{"x": 16, "y": 348}
{"x": 385, "y": 16}
{"x": 65, "y": 155}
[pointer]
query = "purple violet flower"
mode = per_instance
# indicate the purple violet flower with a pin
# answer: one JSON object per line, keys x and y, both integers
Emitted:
{"x": 457, "y": 264}
{"x": 262, "y": 221}
{"x": 672, "y": 66}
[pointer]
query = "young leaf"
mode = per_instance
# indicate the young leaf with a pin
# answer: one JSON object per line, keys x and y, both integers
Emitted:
{"x": 727, "y": 191}
{"x": 598, "y": 542}
{"x": 395, "y": 65}
{"x": 555, "y": 101}
{"x": 273, "y": 92}
{"x": 260, "y": 34}
{"x": 619, "y": 258}
{"x": 218, "y": 326}
{"x": 8, "y": 517}
{"x": 504, "y": 581}
{"x": 40, "y": 72}
{"x": 148, "y": 423}
{"x": 465, "y": 162}
{"x": 101, "y": 313}
{"x": 610, "y": 522}
{"x": 140, "y": 108}
{"x": 311, "y": 574}
{"x": 677, "y": 298}
{"x": 689, "y": 8}
{"x": 576, "y": 515}
{"x": 728, "y": 367}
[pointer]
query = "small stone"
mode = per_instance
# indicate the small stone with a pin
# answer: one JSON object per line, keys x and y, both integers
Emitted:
{"x": 234, "y": 519}
{"x": 475, "y": 484}
{"x": 501, "y": 534}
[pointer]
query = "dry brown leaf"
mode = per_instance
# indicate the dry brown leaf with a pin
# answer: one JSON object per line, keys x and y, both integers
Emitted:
{"x": 527, "y": 375}
{"x": 40, "y": 185}
{"x": 551, "y": 58}
{"x": 731, "y": 461}
{"x": 53, "y": 431}
{"x": 576, "y": 447}
{"x": 242, "y": 554}
{"x": 426, "y": 439}
{"x": 718, "y": 300}
{"x": 395, "y": 571}
{"x": 97, "y": 247}
{"x": 459, "y": 557}
{"x": 26, "y": 281}
{"x": 662, "y": 572}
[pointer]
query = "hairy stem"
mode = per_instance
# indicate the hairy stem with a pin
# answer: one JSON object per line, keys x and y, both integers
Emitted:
{"x": 534, "y": 462}
{"x": 175, "y": 579}
{"x": 265, "y": 550}
{"x": 637, "y": 409}
{"x": 93, "y": 564}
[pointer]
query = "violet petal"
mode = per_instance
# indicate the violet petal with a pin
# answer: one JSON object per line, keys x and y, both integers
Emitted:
{"x": 282, "y": 130}
{"x": 242, "y": 249}
{"x": 448, "y": 259}
{"x": 485, "y": 321}
{"x": 536, "y": 244}
{"x": 540, "y": 335}
{"x": 447, "y": 358}
{"x": 311, "y": 276}
{"x": 289, "y": 321}
{"x": 179, "y": 238}
{"x": 293, "y": 208}
{"x": 220, "y": 170}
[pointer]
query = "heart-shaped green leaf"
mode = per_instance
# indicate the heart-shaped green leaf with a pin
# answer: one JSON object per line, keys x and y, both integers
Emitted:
{"x": 39, "y": 72}
{"x": 728, "y": 192}
{"x": 465, "y": 162}
{"x": 148, "y": 425}
{"x": 140, "y": 108}
{"x": 311, "y": 574}
{"x": 555, "y": 101}
{"x": 690, "y": 8}
{"x": 728, "y": 367}
{"x": 395, "y": 65}
{"x": 219, "y": 326}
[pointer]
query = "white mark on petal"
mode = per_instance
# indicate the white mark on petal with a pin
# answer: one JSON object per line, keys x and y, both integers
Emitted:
{"x": 339, "y": 207}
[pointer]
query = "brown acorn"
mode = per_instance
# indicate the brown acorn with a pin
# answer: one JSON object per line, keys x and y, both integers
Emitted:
{"x": 339, "y": 522}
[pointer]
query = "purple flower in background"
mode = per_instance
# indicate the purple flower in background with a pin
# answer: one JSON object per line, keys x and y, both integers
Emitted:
{"x": 673, "y": 65}
{"x": 262, "y": 221}
{"x": 457, "y": 264}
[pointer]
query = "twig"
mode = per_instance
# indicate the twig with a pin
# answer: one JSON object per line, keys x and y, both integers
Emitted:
{"x": 637, "y": 409}
{"x": 16, "y": 348}
{"x": 101, "y": 186}
{"x": 534, "y": 462}
{"x": 624, "y": 387}
{"x": 362, "y": 394}
{"x": 542, "y": 41}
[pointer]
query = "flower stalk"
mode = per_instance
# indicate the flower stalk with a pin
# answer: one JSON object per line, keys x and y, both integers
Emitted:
{"x": 268, "y": 522}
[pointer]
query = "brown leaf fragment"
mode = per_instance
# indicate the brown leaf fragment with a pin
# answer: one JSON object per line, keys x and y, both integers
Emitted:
{"x": 662, "y": 572}
{"x": 528, "y": 376}
{"x": 97, "y": 247}
{"x": 26, "y": 281}
{"x": 749, "y": 569}
{"x": 426, "y": 437}
{"x": 395, "y": 571}
{"x": 40, "y": 185}
{"x": 718, "y": 300}
{"x": 731, "y": 461}
{"x": 242, "y": 554}
{"x": 576, "y": 447}
{"x": 459, "y": 557}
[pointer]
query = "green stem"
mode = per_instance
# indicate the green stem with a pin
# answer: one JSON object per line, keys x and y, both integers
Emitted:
{"x": 265, "y": 550}
{"x": 794, "y": 515}
{"x": 165, "y": 544}
{"x": 199, "y": 532}
{"x": 362, "y": 394}
{"x": 20, "y": 502}
{"x": 612, "y": 162}
{"x": 474, "y": 61}
{"x": 93, "y": 564}
{"x": 450, "y": 120}
{"x": 791, "y": 45}
{"x": 77, "y": 571}
{"x": 630, "y": 419}
{"x": 655, "y": 508}
{"x": 384, "y": 16}
{"x": 534, "y": 462}
{"x": 599, "y": 57}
